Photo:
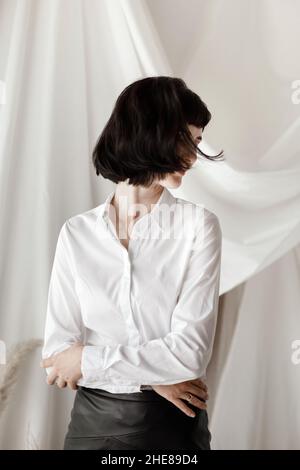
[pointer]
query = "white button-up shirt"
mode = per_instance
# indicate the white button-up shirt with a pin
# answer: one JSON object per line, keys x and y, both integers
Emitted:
{"x": 146, "y": 315}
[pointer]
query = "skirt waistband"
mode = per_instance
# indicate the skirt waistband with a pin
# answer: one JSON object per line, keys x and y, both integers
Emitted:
{"x": 144, "y": 395}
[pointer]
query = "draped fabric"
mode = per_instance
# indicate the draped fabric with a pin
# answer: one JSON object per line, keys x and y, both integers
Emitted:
{"x": 63, "y": 64}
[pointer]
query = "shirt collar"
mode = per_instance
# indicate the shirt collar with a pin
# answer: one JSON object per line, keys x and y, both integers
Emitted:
{"x": 165, "y": 202}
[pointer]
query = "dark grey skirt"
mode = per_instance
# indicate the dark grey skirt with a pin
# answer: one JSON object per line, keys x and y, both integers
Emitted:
{"x": 132, "y": 421}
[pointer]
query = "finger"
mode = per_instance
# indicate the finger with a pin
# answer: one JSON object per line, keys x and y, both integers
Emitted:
{"x": 183, "y": 407}
{"x": 194, "y": 401}
{"x": 199, "y": 392}
{"x": 72, "y": 385}
{"x": 61, "y": 383}
{"x": 200, "y": 384}
{"x": 48, "y": 362}
{"x": 51, "y": 377}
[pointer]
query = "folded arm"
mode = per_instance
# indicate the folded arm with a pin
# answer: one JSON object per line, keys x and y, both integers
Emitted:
{"x": 183, "y": 354}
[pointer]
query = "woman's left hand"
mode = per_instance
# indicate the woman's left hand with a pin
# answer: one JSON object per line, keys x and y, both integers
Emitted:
{"x": 194, "y": 391}
{"x": 66, "y": 367}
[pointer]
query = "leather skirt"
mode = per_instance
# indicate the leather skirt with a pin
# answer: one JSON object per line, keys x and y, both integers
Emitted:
{"x": 101, "y": 420}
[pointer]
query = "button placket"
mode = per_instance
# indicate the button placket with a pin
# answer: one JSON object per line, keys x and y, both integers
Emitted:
{"x": 126, "y": 308}
{"x": 126, "y": 303}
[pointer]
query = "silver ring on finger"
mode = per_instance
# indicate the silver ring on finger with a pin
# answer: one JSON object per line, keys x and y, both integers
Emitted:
{"x": 189, "y": 397}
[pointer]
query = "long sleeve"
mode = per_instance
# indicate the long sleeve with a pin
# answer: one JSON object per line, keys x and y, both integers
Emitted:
{"x": 63, "y": 317}
{"x": 184, "y": 352}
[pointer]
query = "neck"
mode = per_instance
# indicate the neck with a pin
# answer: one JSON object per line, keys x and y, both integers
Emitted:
{"x": 131, "y": 201}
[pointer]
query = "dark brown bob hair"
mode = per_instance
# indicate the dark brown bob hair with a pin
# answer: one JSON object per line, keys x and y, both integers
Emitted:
{"x": 140, "y": 140}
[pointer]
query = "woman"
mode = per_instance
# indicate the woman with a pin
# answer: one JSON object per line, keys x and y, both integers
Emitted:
{"x": 133, "y": 295}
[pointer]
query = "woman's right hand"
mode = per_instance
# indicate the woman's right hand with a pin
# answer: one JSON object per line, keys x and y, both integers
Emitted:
{"x": 178, "y": 394}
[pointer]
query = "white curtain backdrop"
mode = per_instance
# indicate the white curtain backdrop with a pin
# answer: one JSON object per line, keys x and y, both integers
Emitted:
{"x": 63, "y": 63}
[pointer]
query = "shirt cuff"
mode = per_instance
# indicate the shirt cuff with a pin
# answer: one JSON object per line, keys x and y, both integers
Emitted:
{"x": 92, "y": 364}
